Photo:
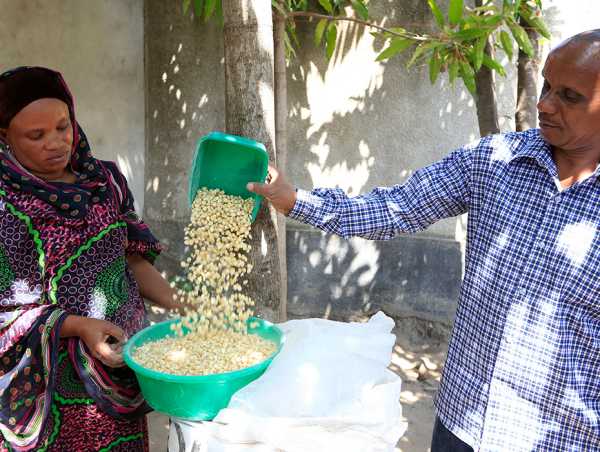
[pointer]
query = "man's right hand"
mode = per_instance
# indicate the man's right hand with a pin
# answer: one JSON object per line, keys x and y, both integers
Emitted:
{"x": 103, "y": 339}
{"x": 278, "y": 191}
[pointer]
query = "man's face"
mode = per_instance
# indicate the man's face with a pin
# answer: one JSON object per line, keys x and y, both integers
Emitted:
{"x": 569, "y": 105}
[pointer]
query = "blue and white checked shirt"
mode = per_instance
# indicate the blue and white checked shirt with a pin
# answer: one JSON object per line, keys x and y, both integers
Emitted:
{"x": 523, "y": 366}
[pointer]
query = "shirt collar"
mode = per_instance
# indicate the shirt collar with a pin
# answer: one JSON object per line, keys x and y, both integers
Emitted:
{"x": 535, "y": 147}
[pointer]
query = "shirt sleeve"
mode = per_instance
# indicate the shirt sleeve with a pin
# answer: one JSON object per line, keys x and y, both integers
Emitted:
{"x": 440, "y": 190}
{"x": 140, "y": 239}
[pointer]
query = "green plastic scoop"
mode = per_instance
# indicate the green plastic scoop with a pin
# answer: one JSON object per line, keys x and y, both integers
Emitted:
{"x": 228, "y": 162}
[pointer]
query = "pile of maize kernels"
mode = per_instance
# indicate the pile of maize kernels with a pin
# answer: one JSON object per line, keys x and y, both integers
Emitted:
{"x": 211, "y": 336}
{"x": 217, "y": 351}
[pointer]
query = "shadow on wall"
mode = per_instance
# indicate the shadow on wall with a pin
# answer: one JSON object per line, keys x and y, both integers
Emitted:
{"x": 366, "y": 124}
{"x": 353, "y": 123}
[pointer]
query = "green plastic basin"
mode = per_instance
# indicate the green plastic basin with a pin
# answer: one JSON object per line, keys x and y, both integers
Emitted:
{"x": 228, "y": 162}
{"x": 197, "y": 398}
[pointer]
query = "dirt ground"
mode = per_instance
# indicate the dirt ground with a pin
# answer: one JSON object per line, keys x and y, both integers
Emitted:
{"x": 418, "y": 357}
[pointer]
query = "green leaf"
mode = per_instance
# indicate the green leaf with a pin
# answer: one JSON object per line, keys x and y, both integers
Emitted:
{"x": 517, "y": 7}
{"x": 490, "y": 21}
{"x": 209, "y": 8}
{"x": 360, "y": 9}
{"x": 219, "y": 12}
{"x": 455, "y": 11}
{"x": 186, "y": 5}
{"x": 397, "y": 45}
{"x": 198, "y": 8}
{"x": 320, "y": 30}
{"x": 419, "y": 51}
{"x": 536, "y": 22}
{"x": 294, "y": 36}
{"x": 541, "y": 27}
{"x": 439, "y": 17}
{"x": 485, "y": 8}
{"x": 468, "y": 76}
{"x": 326, "y": 4}
{"x": 488, "y": 61}
{"x": 522, "y": 39}
{"x": 279, "y": 7}
{"x": 398, "y": 30}
{"x": 331, "y": 39}
{"x": 469, "y": 34}
{"x": 288, "y": 46}
{"x": 435, "y": 64}
{"x": 478, "y": 52}
{"x": 507, "y": 44}
{"x": 453, "y": 71}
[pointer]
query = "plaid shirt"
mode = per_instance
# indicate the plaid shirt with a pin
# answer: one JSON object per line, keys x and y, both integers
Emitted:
{"x": 523, "y": 366}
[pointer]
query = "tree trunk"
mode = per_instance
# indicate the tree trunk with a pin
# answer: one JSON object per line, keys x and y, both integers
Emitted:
{"x": 281, "y": 116}
{"x": 527, "y": 92}
{"x": 485, "y": 101}
{"x": 249, "y": 111}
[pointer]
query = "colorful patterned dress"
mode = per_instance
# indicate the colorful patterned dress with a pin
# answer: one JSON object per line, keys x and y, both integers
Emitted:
{"x": 63, "y": 251}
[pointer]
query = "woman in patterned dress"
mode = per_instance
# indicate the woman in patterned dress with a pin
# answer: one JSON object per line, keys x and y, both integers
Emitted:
{"x": 75, "y": 261}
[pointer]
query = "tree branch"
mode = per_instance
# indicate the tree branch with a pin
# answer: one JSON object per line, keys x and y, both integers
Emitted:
{"x": 413, "y": 36}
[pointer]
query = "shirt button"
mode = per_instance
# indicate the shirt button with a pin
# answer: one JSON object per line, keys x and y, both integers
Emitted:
{"x": 521, "y": 291}
{"x": 539, "y": 244}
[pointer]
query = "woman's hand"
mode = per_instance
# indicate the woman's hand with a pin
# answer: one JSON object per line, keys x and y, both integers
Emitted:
{"x": 278, "y": 191}
{"x": 104, "y": 339}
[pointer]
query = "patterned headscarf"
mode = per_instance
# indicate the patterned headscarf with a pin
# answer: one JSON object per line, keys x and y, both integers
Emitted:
{"x": 18, "y": 88}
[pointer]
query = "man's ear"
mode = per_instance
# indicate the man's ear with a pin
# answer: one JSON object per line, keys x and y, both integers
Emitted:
{"x": 3, "y": 134}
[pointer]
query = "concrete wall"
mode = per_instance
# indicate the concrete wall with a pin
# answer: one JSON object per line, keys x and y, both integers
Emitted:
{"x": 143, "y": 73}
{"x": 185, "y": 100}
{"x": 353, "y": 123}
{"x": 98, "y": 47}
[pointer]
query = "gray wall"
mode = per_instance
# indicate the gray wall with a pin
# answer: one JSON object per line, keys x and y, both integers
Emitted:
{"x": 185, "y": 100}
{"x": 353, "y": 123}
{"x": 355, "y": 129}
{"x": 98, "y": 47}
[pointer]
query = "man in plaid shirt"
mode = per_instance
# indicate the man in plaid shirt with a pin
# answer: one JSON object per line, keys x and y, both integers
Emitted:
{"x": 523, "y": 366}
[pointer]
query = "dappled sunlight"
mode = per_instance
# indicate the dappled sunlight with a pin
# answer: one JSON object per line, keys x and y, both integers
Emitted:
{"x": 502, "y": 151}
{"x": 125, "y": 166}
{"x": 460, "y": 235}
{"x": 351, "y": 180}
{"x": 335, "y": 93}
{"x": 267, "y": 99}
{"x": 418, "y": 362}
{"x": 264, "y": 246}
{"x": 364, "y": 266}
{"x": 22, "y": 293}
{"x": 516, "y": 410}
{"x": 532, "y": 333}
{"x": 526, "y": 323}
{"x": 572, "y": 399}
{"x": 575, "y": 241}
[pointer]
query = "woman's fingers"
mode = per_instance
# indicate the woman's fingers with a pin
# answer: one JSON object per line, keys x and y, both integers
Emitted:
{"x": 109, "y": 355}
{"x": 116, "y": 332}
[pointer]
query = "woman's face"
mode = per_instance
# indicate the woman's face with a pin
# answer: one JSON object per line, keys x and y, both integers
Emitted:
{"x": 41, "y": 137}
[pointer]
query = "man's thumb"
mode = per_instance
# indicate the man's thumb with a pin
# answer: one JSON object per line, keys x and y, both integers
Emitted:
{"x": 256, "y": 187}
